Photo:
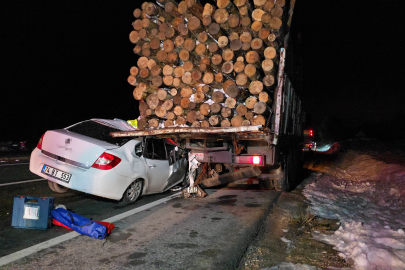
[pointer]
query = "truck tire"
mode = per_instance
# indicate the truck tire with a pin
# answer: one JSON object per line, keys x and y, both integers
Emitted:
{"x": 289, "y": 166}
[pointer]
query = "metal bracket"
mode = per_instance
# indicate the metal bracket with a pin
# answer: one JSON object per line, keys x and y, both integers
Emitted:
{"x": 195, "y": 191}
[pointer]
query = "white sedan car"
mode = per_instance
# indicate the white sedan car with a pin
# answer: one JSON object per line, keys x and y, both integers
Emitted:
{"x": 86, "y": 158}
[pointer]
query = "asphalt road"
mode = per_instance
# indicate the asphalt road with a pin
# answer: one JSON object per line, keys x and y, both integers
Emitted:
{"x": 15, "y": 239}
{"x": 195, "y": 233}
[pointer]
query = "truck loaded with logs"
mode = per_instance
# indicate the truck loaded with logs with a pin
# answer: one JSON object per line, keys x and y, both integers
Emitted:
{"x": 213, "y": 78}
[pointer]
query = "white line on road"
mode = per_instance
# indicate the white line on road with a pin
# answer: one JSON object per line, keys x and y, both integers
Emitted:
{"x": 21, "y": 182}
{"x": 31, "y": 250}
{"x": 14, "y": 164}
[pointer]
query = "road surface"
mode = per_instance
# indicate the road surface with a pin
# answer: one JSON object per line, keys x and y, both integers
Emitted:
{"x": 168, "y": 231}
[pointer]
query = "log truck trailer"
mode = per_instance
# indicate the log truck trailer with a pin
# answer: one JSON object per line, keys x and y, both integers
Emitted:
{"x": 221, "y": 155}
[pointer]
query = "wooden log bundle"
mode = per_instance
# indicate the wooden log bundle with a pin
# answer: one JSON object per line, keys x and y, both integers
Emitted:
{"x": 205, "y": 65}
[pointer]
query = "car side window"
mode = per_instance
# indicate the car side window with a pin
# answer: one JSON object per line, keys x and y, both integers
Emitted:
{"x": 159, "y": 149}
{"x": 138, "y": 149}
{"x": 155, "y": 149}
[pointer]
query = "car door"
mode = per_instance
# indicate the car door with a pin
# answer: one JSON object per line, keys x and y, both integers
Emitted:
{"x": 178, "y": 164}
{"x": 157, "y": 164}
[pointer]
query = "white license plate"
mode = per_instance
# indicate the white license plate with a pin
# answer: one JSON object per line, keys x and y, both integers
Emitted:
{"x": 64, "y": 176}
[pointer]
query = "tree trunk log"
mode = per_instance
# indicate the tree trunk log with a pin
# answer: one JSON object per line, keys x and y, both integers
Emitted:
{"x": 268, "y": 80}
{"x": 160, "y": 111}
{"x": 226, "y": 112}
{"x": 168, "y": 104}
{"x": 250, "y": 102}
{"x": 191, "y": 116}
{"x": 178, "y": 110}
{"x": 184, "y": 103}
{"x": 171, "y": 116}
{"x": 181, "y": 121}
{"x": 218, "y": 96}
{"x": 258, "y": 120}
{"x": 215, "y": 108}
{"x": 200, "y": 97}
{"x": 260, "y": 107}
{"x": 205, "y": 109}
{"x": 241, "y": 110}
{"x": 153, "y": 101}
{"x": 237, "y": 121}
{"x": 205, "y": 123}
{"x": 230, "y": 102}
{"x": 225, "y": 123}
{"x": 255, "y": 87}
{"x": 246, "y": 122}
{"x": 264, "y": 97}
{"x": 249, "y": 115}
{"x": 153, "y": 123}
{"x": 169, "y": 123}
{"x": 215, "y": 120}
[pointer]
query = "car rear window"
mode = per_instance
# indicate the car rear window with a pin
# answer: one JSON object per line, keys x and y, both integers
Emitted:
{"x": 98, "y": 131}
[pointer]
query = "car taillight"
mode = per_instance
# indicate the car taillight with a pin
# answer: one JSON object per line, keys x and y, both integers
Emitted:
{"x": 39, "y": 145}
{"x": 106, "y": 162}
{"x": 256, "y": 160}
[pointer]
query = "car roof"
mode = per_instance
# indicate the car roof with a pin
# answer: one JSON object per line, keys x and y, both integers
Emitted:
{"x": 114, "y": 123}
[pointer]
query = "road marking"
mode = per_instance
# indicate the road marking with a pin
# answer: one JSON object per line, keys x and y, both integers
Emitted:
{"x": 14, "y": 164}
{"x": 21, "y": 182}
{"x": 55, "y": 241}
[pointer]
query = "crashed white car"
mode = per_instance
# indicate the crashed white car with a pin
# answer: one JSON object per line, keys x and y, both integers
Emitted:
{"x": 86, "y": 158}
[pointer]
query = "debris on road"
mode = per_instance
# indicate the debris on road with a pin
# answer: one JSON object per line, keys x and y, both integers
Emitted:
{"x": 32, "y": 212}
{"x": 82, "y": 225}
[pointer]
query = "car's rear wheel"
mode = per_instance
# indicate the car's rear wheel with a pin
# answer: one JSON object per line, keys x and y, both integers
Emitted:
{"x": 132, "y": 193}
{"x": 56, "y": 187}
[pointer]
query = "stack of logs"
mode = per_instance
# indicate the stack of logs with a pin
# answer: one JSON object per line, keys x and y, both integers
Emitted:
{"x": 204, "y": 65}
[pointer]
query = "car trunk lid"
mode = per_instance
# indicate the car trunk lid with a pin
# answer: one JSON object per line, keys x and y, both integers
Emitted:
{"x": 74, "y": 148}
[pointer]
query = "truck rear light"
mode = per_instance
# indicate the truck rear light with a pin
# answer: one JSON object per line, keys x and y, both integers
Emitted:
{"x": 39, "y": 145}
{"x": 106, "y": 162}
{"x": 255, "y": 160}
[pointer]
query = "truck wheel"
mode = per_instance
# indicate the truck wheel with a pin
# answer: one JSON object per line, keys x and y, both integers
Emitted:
{"x": 57, "y": 188}
{"x": 289, "y": 167}
{"x": 132, "y": 193}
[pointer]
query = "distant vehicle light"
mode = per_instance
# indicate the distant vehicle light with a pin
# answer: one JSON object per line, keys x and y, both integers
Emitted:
{"x": 106, "y": 162}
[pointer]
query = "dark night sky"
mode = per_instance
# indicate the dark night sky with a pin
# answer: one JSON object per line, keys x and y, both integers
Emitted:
{"x": 67, "y": 61}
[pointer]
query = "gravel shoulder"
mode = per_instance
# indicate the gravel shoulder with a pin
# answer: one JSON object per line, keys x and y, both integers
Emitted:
{"x": 285, "y": 240}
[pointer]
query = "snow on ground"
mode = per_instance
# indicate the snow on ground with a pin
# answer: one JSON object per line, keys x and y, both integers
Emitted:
{"x": 368, "y": 197}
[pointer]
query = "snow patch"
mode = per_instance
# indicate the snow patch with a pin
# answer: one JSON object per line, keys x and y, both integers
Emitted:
{"x": 366, "y": 195}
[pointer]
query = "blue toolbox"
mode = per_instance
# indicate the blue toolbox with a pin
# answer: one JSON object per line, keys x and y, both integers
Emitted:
{"x": 32, "y": 212}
